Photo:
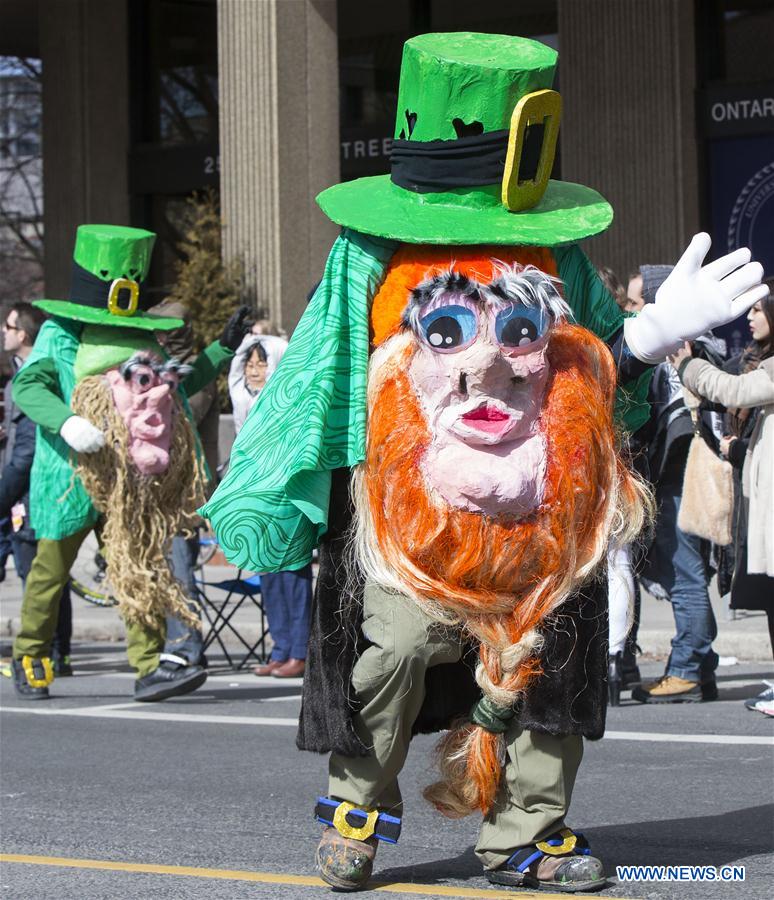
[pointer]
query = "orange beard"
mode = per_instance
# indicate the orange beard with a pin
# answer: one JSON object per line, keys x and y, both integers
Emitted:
{"x": 498, "y": 578}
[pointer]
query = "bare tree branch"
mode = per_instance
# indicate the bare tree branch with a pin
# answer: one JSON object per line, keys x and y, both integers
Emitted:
{"x": 21, "y": 220}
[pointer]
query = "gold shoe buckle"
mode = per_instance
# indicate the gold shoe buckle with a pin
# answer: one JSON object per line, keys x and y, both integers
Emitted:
{"x": 346, "y": 830}
{"x": 32, "y": 679}
{"x": 567, "y": 845}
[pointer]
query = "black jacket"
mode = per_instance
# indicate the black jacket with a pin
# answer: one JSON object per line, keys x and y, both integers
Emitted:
{"x": 15, "y": 477}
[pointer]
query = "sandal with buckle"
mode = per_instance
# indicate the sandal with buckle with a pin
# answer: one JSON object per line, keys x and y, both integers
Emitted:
{"x": 345, "y": 855}
{"x": 575, "y": 870}
{"x": 31, "y": 677}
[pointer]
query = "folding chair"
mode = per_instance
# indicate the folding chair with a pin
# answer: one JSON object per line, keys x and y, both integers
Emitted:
{"x": 219, "y": 610}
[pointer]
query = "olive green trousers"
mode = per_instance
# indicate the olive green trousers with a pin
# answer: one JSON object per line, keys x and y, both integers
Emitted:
{"x": 40, "y": 607}
{"x": 389, "y": 679}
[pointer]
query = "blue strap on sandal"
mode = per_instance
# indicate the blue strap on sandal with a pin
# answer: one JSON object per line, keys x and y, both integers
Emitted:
{"x": 559, "y": 843}
{"x": 352, "y": 822}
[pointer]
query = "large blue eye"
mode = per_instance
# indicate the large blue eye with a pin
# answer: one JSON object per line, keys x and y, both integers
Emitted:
{"x": 518, "y": 326}
{"x": 449, "y": 327}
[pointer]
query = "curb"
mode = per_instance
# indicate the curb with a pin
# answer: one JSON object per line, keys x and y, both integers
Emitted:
{"x": 655, "y": 643}
{"x": 745, "y": 646}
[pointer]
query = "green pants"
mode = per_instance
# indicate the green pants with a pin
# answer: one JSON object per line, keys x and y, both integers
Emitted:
{"x": 389, "y": 679}
{"x": 40, "y": 607}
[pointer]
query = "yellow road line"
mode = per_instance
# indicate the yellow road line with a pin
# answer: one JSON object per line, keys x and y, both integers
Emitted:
{"x": 274, "y": 878}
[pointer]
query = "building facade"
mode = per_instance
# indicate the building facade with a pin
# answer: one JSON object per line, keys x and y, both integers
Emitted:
{"x": 668, "y": 112}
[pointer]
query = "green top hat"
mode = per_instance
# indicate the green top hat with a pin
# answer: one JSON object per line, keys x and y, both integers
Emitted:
{"x": 474, "y": 144}
{"x": 110, "y": 263}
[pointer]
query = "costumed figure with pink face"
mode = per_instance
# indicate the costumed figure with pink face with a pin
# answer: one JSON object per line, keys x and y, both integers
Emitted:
{"x": 116, "y": 452}
{"x": 444, "y": 427}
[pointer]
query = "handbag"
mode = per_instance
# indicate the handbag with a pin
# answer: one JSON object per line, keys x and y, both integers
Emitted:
{"x": 707, "y": 504}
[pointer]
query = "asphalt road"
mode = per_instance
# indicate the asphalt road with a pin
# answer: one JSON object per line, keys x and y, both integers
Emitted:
{"x": 214, "y": 782}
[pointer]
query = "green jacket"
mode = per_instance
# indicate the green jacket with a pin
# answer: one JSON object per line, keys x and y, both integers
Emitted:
{"x": 59, "y": 504}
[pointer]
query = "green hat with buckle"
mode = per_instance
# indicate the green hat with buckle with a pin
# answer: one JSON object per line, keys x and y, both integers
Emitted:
{"x": 110, "y": 264}
{"x": 475, "y": 138}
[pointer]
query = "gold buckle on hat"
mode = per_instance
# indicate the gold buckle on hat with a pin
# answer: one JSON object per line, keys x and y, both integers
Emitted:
{"x": 538, "y": 108}
{"x": 123, "y": 284}
{"x": 48, "y": 671}
{"x": 346, "y": 830}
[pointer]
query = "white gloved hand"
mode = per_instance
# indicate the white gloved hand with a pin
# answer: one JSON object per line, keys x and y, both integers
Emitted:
{"x": 694, "y": 300}
{"x": 81, "y": 435}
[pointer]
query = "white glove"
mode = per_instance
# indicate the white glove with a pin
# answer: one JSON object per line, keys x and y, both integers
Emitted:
{"x": 81, "y": 435}
{"x": 694, "y": 300}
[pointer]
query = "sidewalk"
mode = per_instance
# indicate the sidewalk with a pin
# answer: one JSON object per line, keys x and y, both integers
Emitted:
{"x": 745, "y": 637}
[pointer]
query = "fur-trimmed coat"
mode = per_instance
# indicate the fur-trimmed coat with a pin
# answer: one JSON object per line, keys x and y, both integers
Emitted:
{"x": 569, "y": 698}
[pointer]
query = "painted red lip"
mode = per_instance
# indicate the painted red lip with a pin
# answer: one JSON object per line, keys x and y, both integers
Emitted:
{"x": 487, "y": 418}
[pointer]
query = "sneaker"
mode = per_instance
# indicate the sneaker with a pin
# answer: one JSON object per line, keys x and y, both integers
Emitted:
{"x": 31, "y": 677}
{"x": 62, "y": 665}
{"x": 170, "y": 679}
{"x": 766, "y": 707}
{"x": 767, "y": 694}
{"x": 671, "y": 689}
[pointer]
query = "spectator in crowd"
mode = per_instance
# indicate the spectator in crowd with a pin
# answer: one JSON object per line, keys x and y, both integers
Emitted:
{"x": 614, "y": 285}
{"x": 676, "y": 566}
{"x": 6, "y": 373}
{"x": 287, "y": 596}
{"x": 181, "y": 640}
{"x": 634, "y": 291}
{"x": 749, "y": 445}
{"x": 623, "y": 588}
{"x": 20, "y": 328}
{"x": 254, "y": 363}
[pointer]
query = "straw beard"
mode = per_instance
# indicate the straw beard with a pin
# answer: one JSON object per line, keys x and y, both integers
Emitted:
{"x": 142, "y": 513}
{"x": 498, "y": 580}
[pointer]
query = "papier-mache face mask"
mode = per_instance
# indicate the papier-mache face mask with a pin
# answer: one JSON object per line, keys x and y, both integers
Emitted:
{"x": 143, "y": 389}
{"x": 480, "y": 372}
{"x": 475, "y": 332}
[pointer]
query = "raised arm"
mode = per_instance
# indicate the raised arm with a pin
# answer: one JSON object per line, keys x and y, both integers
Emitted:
{"x": 754, "y": 388}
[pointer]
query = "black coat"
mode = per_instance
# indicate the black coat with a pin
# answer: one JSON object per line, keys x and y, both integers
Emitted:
{"x": 569, "y": 698}
{"x": 15, "y": 476}
{"x": 752, "y": 592}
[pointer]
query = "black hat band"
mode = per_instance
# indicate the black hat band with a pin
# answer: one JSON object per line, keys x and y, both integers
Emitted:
{"x": 472, "y": 161}
{"x": 122, "y": 296}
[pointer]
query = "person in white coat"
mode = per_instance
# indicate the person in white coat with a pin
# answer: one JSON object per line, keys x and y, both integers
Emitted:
{"x": 287, "y": 596}
{"x": 751, "y": 389}
{"x": 253, "y": 364}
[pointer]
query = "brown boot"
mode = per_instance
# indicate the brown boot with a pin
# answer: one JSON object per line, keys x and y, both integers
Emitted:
{"x": 669, "y": 689}
{"x": 345, "y": 863}
{"x": 293, "y": 668}
{"x": 268, "y": 668}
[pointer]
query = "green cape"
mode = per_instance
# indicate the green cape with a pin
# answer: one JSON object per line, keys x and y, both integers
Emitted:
{"x": 272, "y": 506}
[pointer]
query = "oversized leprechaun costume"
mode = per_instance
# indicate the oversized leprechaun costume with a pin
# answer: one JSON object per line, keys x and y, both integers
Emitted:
{"x": 463, "y": 483}
{"x": 114, "y": 446}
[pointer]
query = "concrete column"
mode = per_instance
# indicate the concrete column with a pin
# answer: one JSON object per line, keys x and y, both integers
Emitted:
{"x": 279, "y": 143}
{"x": 85, "y": 125}
{"x": 628, "y": 77}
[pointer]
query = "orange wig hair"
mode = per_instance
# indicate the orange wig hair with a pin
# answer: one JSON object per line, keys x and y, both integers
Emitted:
{"x": 497, "y": 578}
